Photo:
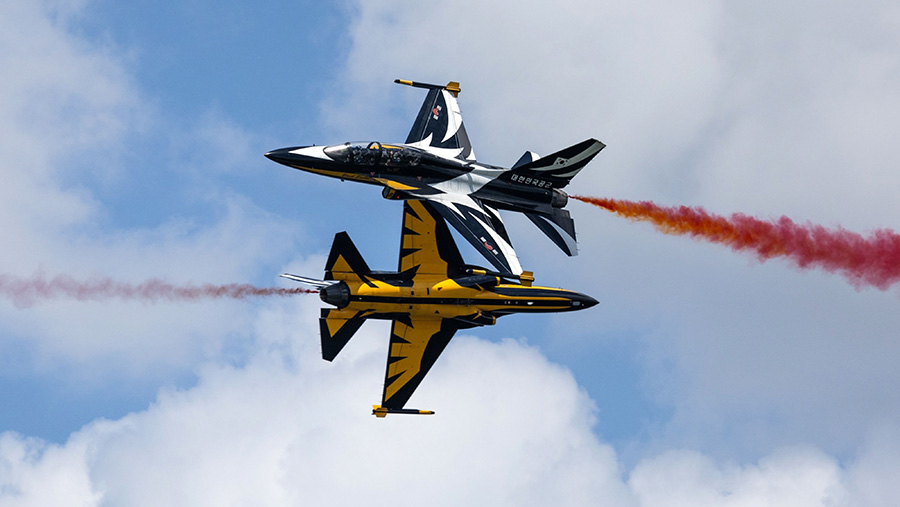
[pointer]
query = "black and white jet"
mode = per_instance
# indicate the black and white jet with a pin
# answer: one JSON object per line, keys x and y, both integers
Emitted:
{"x": 437, "y": 164}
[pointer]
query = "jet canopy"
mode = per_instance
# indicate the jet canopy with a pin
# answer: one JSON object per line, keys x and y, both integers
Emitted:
{"x": 373, "y": 153}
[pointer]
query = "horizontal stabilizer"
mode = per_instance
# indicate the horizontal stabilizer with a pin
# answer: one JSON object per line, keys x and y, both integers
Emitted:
{"x": 559, "y": 227}
{"x": 379, "y": 411}
{"x": 557, "y": 169}
{"x": 336, "y": 330}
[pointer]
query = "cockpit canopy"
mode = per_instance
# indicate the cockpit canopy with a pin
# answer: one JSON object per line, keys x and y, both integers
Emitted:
{"x": 373, "y": 153}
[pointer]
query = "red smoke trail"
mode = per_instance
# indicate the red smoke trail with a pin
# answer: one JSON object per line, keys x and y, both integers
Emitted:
{"x": 872, "y": 260}
{"x": 26, "y": 291}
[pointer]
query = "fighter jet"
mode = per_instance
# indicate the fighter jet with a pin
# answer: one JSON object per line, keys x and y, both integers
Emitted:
{"x": 432, "y": 294}
{"x": 437, "y": 164}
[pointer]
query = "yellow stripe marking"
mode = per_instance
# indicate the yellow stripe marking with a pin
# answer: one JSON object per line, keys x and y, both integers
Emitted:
{"x": 395, "y": 185}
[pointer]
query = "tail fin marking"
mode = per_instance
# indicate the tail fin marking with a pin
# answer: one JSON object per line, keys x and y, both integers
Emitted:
{"x": 556, "y": 169}
{"x": 439, "y": 123}
{"x": 344, "y": 261}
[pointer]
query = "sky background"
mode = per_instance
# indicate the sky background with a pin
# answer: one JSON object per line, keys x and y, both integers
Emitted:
{"x": 131, "y": 142}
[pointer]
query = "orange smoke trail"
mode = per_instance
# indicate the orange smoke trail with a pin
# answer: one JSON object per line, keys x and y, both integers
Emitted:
{"x": 27, "y": 291}
{"x": 872, "y": 260}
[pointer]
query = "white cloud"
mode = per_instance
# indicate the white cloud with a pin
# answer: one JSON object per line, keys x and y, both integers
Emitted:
{"x": 788, "y": 113}
{"x": 766, "y": 109}
{"x": 35, "y": 473}
{"x": 60, "y": 99}
{"x": 871, "y": 478}
{"x": 789, "y": 477}
{"x": 806, "y": 117}
{"x": 290, "y": 429}
{"x": 140, "y": 336}
{"x": 68, "y": 111}
{"x": 553, "y": 76}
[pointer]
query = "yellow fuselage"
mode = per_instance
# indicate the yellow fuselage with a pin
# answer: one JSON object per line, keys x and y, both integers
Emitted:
{"x": 438, "y": 296}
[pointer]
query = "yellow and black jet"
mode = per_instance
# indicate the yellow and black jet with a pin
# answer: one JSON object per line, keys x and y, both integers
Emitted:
{"x": 431, "y": 296}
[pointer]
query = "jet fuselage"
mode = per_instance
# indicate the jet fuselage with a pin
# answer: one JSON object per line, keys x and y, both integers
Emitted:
{"x": 408, "y": 172}
{"x": 472, "y": 299}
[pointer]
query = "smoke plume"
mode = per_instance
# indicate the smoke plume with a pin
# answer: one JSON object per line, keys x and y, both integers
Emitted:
{"x": 28, "y": 291}
{"x": 864, "y": 261}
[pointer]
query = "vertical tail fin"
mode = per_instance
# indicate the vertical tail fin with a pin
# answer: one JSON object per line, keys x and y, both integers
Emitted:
{"x": 344, "y": 260}
{"x": 439, "y": 123}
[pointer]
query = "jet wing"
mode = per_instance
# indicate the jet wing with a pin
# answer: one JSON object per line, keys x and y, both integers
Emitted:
{"x": 415, "y": 345}
{"x": 426, "y": 245}
{"x": 481, "y": 226}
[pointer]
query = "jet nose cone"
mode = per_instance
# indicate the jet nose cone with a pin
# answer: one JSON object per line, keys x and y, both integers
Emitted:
{"x": 584, "y": 301}
{"x": 302, "y": 157}
{"x": 282, "y": 156}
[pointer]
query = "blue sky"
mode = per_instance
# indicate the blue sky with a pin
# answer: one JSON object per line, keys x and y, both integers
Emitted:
{"x": 132, "y": 138}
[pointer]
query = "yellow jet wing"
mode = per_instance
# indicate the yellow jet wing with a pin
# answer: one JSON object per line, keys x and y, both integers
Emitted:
{"x": 415, "y": 345}
{"x": 426, "y": 246}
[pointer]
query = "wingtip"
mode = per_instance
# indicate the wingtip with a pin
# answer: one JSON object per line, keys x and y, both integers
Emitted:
{"x": 527, "y": 278}
{"x": 452, "y": 86}
{"x": 599, "y": 143}
{"x": 379, "y": 411}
